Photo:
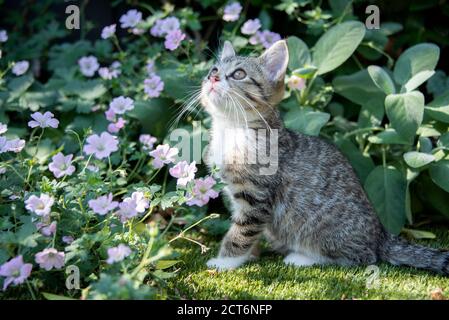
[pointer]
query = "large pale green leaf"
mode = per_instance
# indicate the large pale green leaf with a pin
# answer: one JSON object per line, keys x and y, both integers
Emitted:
{"x": 418, "y": 58}
{"x": 19, "y": 85}
{"x": 418, "y": 79}
{"x": 389, "y": 136}
{"x": 299, "y": 53}
{"x": 358, "y": 87}
{"x": 439, "y": 108}
{"x": 439, "y": 172}
{"x": 381, "y": 79}
{"x": 418, "y": 159}
{"x": 306, "y": 120}
{"x": 337, "y": 45}
{"x": 405, "y": 112}
{"x": 386, "y": 188}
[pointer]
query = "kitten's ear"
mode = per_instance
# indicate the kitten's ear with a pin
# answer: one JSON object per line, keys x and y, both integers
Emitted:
{"x": 228, "y": 51}
{"x": 275, "y": 60}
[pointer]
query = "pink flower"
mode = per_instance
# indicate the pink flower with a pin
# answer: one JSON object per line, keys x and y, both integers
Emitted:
{"x": 127, "y": 209}
{"x": 153, "y": 86}
{"x": 147, "y": 141}
{"x": 296, "y": 83}
{"x": 61, "y": 165}
{"x": 232, "y": 11}
{"x": 117, "y": 254}
{"x": 130, "y": 19}
{"x": 103, "y": 204}
{"x": 3, "y": 128}
{"x": 163, "y": 155}
{"x": 121, "y": 104}
{"x": 47, "y": 229}
{"x": 43, "y": 120}
{"x": 50, "y": 258}
{"x": 173, "y": 39}
{"x": 88, "y": 65}
{"x": 110, "y": 115}
{"x": 162, "y": 27}
{"x": 184, "y": 172}
{"x": 202, "y": 192}
{"x": 108, "y": 31}
{"x": 251, "y": 26}
{"x": 40, "y": 205}
{"x": 101, "y": 146}
{"x": 68, "y": 239}
{"x": 15, "y": 271}
{"x": 116, "y": 126}
{"x": 20, "y": 67}
{"x": 141, "y": 203}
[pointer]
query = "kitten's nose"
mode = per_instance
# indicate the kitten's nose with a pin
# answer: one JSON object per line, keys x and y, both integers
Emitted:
{"x": 214, "y": 78}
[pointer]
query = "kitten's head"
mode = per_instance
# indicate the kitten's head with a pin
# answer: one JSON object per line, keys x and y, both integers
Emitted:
{"x": 251, "y": 85}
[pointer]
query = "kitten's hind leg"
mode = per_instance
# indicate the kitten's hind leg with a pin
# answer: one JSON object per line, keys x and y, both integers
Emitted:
{"x": 299, "y": 260}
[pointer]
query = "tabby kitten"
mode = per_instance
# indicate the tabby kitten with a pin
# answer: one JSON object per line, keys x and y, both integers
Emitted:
{"x": 312, "y": 208}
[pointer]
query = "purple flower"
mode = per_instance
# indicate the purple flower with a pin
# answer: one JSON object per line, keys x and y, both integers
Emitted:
{"x": 110, "y": 73}
{"x": 20, "y": 67}
{"x": 184, "y": 172}
{"x": 108, "y": 31}
{"x": 150, "y": 67}
{"x": 61, "y": 165}
{"x": 141, "y": 203}
{"x": 3, "y": 36}
{"x": 163, "y": 155}
{"x": 202, "y": 192}
{"x": 15, "y": 271}
{"x": 68, "y": 239}
{"x": 110, "y": 115}
{"x": 153, "y": 86}
{"x": 15, "y": 145}
{"x": 232, "y": 11}
{"x": 40, "y": 205}
{"x": 102, "y": 205}
{"x": 50, "y": 258}
{"x": 130, "y": 19}
{"x": 121, "y": 104}
{"x": 251, "y": 26}
{"x": 47, "y": 229}
{"x": 3, "y": 128}
{"x": 43, "y": 120}
{"x": 101, "y": 146}
{"x": 127, "y": 209}
{"x": 147, "y": 141}
{"x": 4, "y": 147}
{"x": 88, "y": 65}
{"x": 296, "y": 83}
{"x": 115, "y": 127}
{"x": 117, "y": 254}
{"x": 266, "y": 38}
{"x": 162, "y": 27}
{"x": 173, "y": 39}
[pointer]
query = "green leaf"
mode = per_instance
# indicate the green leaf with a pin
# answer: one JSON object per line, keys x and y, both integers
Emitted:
{"x": 439, "y": 172}
{"x": 337, "y": 45}
{"x": 418, "y": 58}
{"x": 306, "y": 120}
{"x": 17, "y": 86}
{"x": 381, "y": 79}
{"x": 405, "y": 112}
{"x": 418, "y": 79}
{"x": 51, "y": 296}
{"x": 444, "y": 141}
{"x": 299, "y": 53}
{"x": 438, "y": 109}
{"x": 389, "y": 136}
{"x": 306, "y": 72}
{"x": 389, "y": 28}
{"x": 362, "y": 163}
{"x": 165, "y": 264}
{"x": 357, "y": 87}
{"x": 386, "y": 188}
{"x": 371, "y": 113}
{"x": 418, "y": 159}
{"x": 419, "y": 234}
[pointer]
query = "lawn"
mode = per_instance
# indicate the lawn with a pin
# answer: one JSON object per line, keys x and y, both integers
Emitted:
{"x": 269, "y": 278}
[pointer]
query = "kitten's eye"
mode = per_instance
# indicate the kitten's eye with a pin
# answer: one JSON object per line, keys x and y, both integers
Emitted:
{"x": 213, "y": 72}
{"x": 238, "y": 74}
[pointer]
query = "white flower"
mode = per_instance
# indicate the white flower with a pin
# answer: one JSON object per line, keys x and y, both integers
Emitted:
{"x": 108, "y": 31}
{"x": 121, "y": 104}
{"x": 39, "y": 205}
{"x": 130, "y": 19}
{"x": 88, "y": 65}
{"x": 20, "y": 67}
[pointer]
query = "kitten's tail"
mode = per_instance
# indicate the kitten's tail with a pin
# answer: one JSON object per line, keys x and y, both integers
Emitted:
{"x": 400, "y": 252}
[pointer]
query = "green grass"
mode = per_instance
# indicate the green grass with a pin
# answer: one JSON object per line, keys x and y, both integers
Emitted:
{"x": 269, "y": 278}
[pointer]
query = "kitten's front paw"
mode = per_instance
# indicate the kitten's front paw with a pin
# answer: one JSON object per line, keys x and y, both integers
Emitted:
{"x": 226, "y": 263}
